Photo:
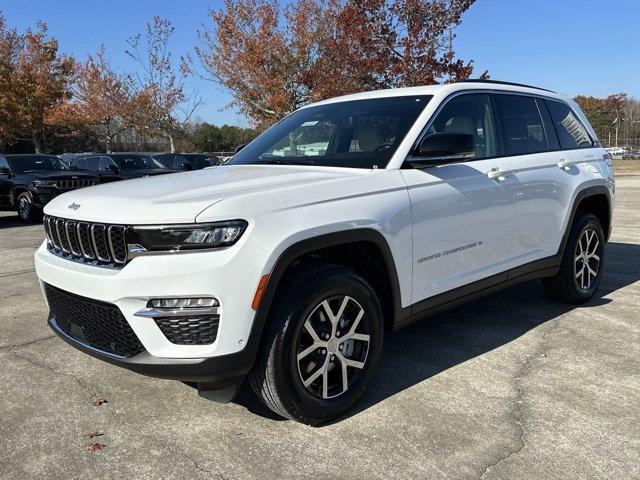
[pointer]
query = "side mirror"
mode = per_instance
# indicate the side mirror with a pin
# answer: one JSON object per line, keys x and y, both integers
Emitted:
{"x": 5, "y": 171}
{"x": 239, "y": 147}
{"x": 444, "y": 147}
{"x": 186, "y": 166}
{"x": 111, "y": 168}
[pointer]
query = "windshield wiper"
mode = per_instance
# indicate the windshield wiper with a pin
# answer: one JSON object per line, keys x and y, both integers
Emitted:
{"x": 278, "y": 161}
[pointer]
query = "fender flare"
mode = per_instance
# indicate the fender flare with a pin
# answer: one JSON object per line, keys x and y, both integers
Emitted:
{"x": 317, "y": 243}
{"x": 580, "y": 196}
{"x": 17, "y": 191}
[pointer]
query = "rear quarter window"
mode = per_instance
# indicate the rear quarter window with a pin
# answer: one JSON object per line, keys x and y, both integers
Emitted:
{"x": 572, "y": 133}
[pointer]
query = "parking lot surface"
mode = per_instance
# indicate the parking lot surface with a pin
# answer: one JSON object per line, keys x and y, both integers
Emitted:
{"x": 510, "y": 386}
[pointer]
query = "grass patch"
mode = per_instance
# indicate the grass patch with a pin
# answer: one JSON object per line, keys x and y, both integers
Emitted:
{"x": 626, "y": 167}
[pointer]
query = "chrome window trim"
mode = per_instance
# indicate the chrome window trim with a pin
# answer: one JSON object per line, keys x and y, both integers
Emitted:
{"x": 489, "y": 91}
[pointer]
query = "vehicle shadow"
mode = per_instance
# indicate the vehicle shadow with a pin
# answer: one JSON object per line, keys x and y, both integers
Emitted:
{"x": 11, "y": 220}
{"x": 424, "y": 349}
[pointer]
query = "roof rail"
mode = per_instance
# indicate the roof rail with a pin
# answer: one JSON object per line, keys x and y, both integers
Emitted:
{"x": 499, "y": 82}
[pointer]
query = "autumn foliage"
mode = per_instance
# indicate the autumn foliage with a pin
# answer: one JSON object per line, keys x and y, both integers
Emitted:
{"x": 276, "y": 58}
{"x": 34, "y": 80}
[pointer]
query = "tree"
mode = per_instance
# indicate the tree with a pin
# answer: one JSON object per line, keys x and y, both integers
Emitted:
{"x": 34, "y": 79}
{"x": 276, "y": 59}
{"x": 604, "y": 114}
{"x": 103, "y": 101}
{"x": 161, "y": 106}
{"x": 211, "y": 138}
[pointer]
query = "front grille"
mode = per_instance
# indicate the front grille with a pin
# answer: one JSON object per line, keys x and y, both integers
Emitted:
{"x": 73, "y": 183}
{"x": 199, "y": 330}
{"x": 97, "y": 324}
{"x": 93, "y": 243}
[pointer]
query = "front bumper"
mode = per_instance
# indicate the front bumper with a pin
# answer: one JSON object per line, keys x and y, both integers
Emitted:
{"x": 216, "y": 372}
{"x": 223, "y": 274}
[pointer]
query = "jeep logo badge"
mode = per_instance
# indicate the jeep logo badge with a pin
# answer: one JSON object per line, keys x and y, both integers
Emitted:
{"x": 74, "y": 206}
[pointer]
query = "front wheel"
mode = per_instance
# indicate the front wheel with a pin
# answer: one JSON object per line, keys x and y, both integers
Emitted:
{"x": 27, "y": 212}
{"x": 321, "y": 346}
{"x": 580, "y": 271}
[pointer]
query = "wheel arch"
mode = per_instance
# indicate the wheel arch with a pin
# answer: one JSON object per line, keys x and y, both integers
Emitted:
{"x": 17, "y": 191}
{"x": 594, "y": 199}
{"x": 330, "y": 247}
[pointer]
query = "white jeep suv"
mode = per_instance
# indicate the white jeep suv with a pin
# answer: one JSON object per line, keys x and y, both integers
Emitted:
{"x": 349, "y": 218}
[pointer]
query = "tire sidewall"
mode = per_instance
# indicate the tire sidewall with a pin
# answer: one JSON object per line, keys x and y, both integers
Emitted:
{"x": 309, "y": 298}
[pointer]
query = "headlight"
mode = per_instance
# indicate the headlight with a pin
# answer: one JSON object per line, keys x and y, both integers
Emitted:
{"x": 190, "y": 237}
{"x": 44, "y": 183}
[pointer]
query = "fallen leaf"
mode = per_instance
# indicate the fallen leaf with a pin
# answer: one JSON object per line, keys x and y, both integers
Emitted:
{"x": 94, "y": 447}
{"x": 99, "y": 401}
{"x": 90, "y": 435}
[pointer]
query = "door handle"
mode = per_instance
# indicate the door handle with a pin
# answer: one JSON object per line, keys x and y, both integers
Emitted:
{"x": 497, "y": 174}
{"x": 564, "y": 165}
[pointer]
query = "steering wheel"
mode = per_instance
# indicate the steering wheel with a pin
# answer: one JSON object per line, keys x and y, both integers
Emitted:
{"x": 383, "y": 146}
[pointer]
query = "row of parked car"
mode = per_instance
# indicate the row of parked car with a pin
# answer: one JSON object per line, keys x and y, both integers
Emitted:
{"x": 29, "y": 182}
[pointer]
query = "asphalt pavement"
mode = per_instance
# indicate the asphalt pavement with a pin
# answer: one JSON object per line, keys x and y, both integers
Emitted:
{"x": 511, "y": 386}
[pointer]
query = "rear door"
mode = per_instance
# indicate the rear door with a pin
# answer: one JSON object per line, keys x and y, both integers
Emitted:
{"x": 545, "y": 168}
{"x": 462, "y": 213}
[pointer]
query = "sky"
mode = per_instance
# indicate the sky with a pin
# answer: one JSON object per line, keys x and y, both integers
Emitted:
{"x": 588, "y": 47}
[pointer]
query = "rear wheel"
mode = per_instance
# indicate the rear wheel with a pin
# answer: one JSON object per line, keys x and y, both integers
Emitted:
{"x": 26, "y": 210}
{"x": 321, "y": 346}
{"x": 581, "y": 268}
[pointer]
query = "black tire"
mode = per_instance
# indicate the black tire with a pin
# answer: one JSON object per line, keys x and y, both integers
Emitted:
{"x": 27, "y": 212}
{"x": 277, "y": 377}
{"x": 569, "y": 285}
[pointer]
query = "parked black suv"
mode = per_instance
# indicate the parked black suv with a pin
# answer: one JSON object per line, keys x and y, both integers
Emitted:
{"x": 187, "y": 161}
{"x": 110, "y": 167}
{"x": 29, "y": 182}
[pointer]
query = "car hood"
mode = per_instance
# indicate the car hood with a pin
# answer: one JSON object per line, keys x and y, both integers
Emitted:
{"x": 56, "y": 175}
{"x": 180, "y": 197}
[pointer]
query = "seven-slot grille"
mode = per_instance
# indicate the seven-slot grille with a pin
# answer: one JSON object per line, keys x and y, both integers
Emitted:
{"x": 95, "y": 243}
{"x": 74, "y": 183}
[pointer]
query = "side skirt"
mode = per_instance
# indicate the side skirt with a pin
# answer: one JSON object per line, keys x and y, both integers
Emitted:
{"x": 547, "y": 267}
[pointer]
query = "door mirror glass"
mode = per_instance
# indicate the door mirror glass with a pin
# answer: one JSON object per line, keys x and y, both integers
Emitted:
{"x": 186, "y": 166}
{"x": 5, "y": 171}
{"x": 111, "y": 168}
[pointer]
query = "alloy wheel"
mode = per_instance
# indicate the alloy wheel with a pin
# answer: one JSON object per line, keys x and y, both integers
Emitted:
{"x": 587, "y": 259}
{"x": 23, "y": 208}
{"x": 332, "y": 347}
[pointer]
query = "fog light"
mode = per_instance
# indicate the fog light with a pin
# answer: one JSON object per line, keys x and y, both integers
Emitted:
{"x": 198, "y": 302}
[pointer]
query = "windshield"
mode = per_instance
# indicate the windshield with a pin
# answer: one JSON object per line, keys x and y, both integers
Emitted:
{"x": 357, "y": 133}
{"x": 135, "y": 162}
{"x": 35, "y": 163}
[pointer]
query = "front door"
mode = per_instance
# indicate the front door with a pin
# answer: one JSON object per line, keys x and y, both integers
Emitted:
{"x": 5, "y": 185}
{"x": 463, "y": 214}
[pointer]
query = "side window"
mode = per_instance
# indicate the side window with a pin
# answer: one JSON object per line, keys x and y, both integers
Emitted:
{"x": 91, "y": 163}
{"x": 104, "y": 161}
{"x": 78, "y": 163}
{"x": 571, "y": 132}
{"x": 469, "y": 113}
{"x": 522, "y": 128}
